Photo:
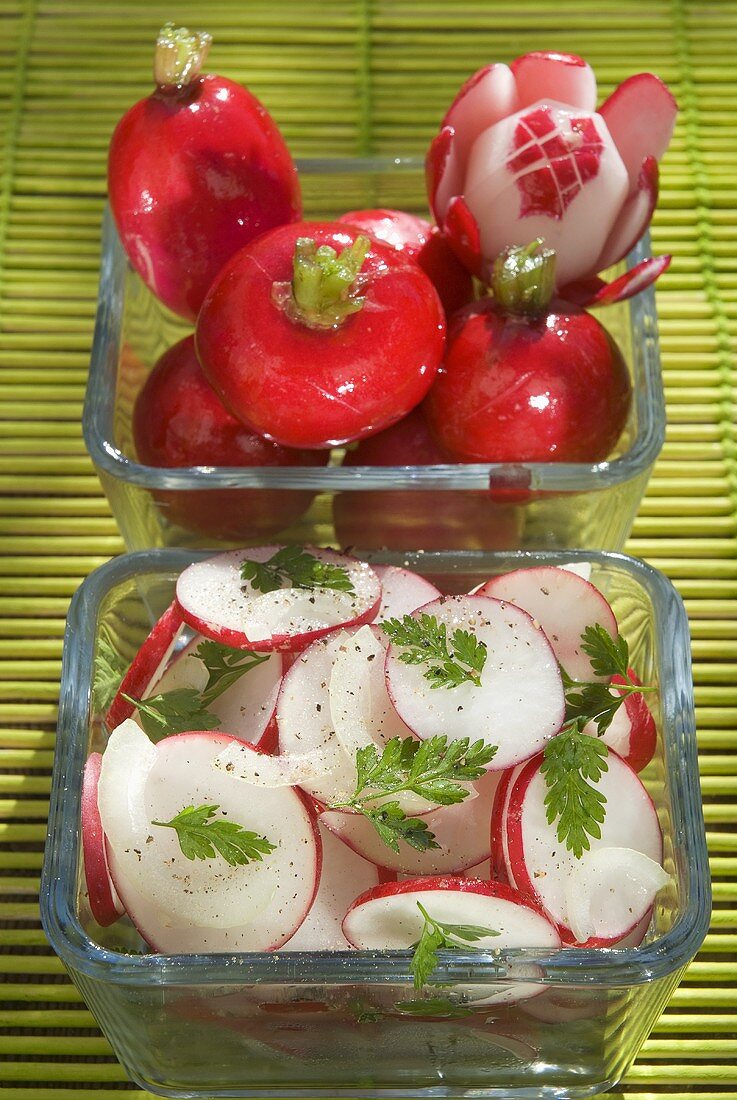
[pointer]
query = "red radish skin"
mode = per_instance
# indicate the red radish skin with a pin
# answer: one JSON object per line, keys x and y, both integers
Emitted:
{"x": 147, "y": 665}
{"x": 212, "y": 588}
{"x": 499, "y": 860}
{"x": 422, "y": 242}
{"x": 395, "y": 519}
{"x": 639, "y": 826}
{"x": 195, "y": 172}
{"x": 179, "y": 420}
{"x": 315, "y": 387}
{"x": 548, "y": 389}
{"x": 105, "y": 905}
{"x": 633, "y": 733}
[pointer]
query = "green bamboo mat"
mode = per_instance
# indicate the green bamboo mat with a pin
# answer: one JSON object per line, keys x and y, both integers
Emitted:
{"x": 344, "y": 77}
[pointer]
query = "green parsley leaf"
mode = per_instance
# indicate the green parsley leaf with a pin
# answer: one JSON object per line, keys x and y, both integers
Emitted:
{"x": 572, "y": 763}
{"x": 609, "y": 656}
{"x": 109, "y": 671}
{"x": 440, "y": 936}
{"x": 426, "y": 641}
{"x": 173, "y": 712}
{"x": 293, "y": 567}
{"x": 592, "y": 702}
{"x": 225, "y": 667}
{"x": 202, "y": 838}
{"x": 393, "y": 825}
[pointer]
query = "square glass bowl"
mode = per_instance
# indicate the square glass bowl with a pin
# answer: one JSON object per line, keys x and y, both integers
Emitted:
{"x": 475, "y": 506}
{"x": 338, "y": 1024}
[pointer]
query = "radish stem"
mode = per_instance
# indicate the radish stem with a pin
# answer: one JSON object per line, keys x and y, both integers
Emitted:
{"x": 180, "y": 55}
{"x": 523, "y": 278}
{"x": 325, "y": 286}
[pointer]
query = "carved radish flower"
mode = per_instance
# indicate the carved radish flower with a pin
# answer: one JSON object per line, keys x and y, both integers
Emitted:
{"x": 523, "y": 153}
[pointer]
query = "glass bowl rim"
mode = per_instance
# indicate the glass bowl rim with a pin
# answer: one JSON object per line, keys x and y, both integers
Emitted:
{"x": 99, "y": 405}
{"x": 560, "y": 967}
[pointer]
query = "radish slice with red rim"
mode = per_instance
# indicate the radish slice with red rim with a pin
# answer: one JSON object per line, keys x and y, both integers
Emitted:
{"x": 609, "y": 890}
{"x": 564, "y": 604}
{"x": 264, "y": 770}
{"x": 304, "y": 709}
{"x": 147, "y": 665}
{"x": 182, "y": 905}
{"x": 246, "y": 708}
{"x": 402, "y": 592}
{"x": 581, "y": 568}
{"x": 518, "y": 704}
{"x": 632, "y": 733}
{"x": 541, "y": 865}
{"x": 388, "y": 917}
{"x": 105, "y": 905}
{"x": 344, "y": 876}
{"x": 215, "y": 600}
{"x": 462, "y": 831}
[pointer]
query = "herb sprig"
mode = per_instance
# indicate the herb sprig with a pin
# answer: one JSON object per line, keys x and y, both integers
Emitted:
{"x": 200, "y": 837}
{"x": 451, "y": 663}
{"x": 109, "y": 670}
{"x": 437, "y": 936}
{"x": 294, "y": 567}
{"x": 435, "y": 769}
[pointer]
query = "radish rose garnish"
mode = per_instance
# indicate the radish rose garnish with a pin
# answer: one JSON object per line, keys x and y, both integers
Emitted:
{"x": 522, "y": 152}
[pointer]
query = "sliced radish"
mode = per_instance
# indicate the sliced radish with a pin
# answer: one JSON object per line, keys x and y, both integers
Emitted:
{"x": 581, "y": 568}
{"x": 541, "y": 865}
{"x": 402, "y": 591}
{"x": 304, "y": 711}
{"x": 462, "y": 831}
{"x": 344, "y": 876}
{"x": 264, "y": 770}
{"x": 519, "y": 704}
{"x": 633, "y": 282}
{"x": 217, "y": 602}
{"x": 634, "y": 217}
{"x": 632, "y": 734}
{"x": 180, "y": 905}
{"x": 564, "y": 604}
{"x": 147, "y": 665}
{"x": 388, "y": 917}
{"x": 560, "y": 76}
{"x": 499, "y": 850}
{"x": 640, "y": 114}
{"x": 486, "y": 97}
{"x": 246, "y": 708}
{"x": 105, "y": 905}
{"x": 609, "y": 890}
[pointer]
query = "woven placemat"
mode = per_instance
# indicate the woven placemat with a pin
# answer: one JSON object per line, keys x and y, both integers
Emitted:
{"x": 345, "y": 77}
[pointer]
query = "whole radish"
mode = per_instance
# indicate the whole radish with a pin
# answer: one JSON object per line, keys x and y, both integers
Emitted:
{"x": 314, "y": 335}
{"x": 195, "y": 171}
{"x": 179, "y": 420}
{"x": 527, "y": 379}
{"x": 422, "y": 242}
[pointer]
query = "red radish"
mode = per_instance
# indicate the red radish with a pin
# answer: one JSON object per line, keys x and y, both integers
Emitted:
{"x": 632, "y": 734}
{"x": 422, "y": 242}
{"x": 147, "y": 665}
{"x": 563, "y": 604}
{"x": 195, "y": 172}
{"x": 179, "y": 420}
{"x": 499, "y": 850}
{"x": 456, "y": 519}
{"x": 105, "y": 904}
{"x": 402, "y": 591}
{"x": 517, "y": 705}
{"x": 314, "y": 335}
{"x": 388, "y": 917}
{"x": 304, "y": 713}
{"x": 544, "y": 869}
{"x": 528, "y": 380}
{"x": 462, "y": 831}
{"x": 246, "y": 708}
{"x": 182, "y": 905}
{"x": 216, "y": 601}
{"x": 607, "y": 888}
{"x": 344, "y": 876}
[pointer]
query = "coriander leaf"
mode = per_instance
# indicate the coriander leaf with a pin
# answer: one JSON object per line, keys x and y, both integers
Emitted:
{"x": 592, "y": 702}
{"x": 393, "y": 825}
{"x": 109, "y": 671}
{"x": 572, "y": 763}
{"x": 201, "y": 838}
{"x": 293, "y": 567}
{"x": 425, "y": 641}
{"x": 437, "y": 935}
{"x": 609, "y": 656}
{"x": 225, "y": 667}
{"x": 172, "y": 712}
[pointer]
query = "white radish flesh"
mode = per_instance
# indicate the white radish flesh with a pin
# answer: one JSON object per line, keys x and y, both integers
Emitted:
{"x": 217, "y": 602}
{"x": 541, "y": 865}
{"x": 609, "y": 890}
{"x": 564, "y": 604}
{"x": 105, "y": 905}
{"x": 519, "y": 704}
{"x": 147, "y": 665}
{"x": 462, "y": 831}
{"x": 344, "y": 876}
{"x": 246, "y": 708}
{"x": 181, "y": 905}
{"x": 402, "y": 592}
{"x": 263, "y": 770}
